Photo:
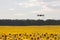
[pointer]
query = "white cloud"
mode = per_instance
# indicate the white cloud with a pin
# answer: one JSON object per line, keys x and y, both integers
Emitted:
{"x": 55, "y": 5}
{"x": 19, "y": 4}
{"x": 19, "y": 14}
{"x": 46, "y": 10}
{"x": 29, "y": 3}
{"x": 11, "y": 9}
{"x": 26, "y": 5}
{"x": 37, "y": 11}
{"x": 45, "y": 7}
{"x": 51, "y": 10}
{"x": 32, "y": 0}
{"x": 42, "y": 4}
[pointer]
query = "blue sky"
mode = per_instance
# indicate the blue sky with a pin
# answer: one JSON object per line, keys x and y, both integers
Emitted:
{"x": 28, "y": 9}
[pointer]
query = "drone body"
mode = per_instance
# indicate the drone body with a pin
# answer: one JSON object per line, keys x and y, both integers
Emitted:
{"x": 40, "y": 15}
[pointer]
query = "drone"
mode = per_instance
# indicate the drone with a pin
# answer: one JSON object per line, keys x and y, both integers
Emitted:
{"x": 40, "y": 15}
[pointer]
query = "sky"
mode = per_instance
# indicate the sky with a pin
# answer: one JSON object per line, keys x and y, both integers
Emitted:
{"x": 29, "y": 9}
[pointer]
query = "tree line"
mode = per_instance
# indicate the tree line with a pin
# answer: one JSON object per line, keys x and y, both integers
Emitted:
{"x": 29, "y": 22}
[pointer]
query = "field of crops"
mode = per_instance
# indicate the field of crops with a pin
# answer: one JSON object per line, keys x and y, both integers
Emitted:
{"x": 30, "y": 32}
{"x": 29, "y": 29}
